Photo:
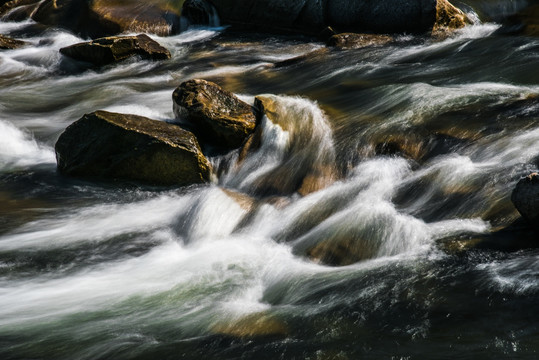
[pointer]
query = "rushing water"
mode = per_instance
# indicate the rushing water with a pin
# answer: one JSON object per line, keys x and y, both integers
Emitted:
{"x": 120, "y": 271}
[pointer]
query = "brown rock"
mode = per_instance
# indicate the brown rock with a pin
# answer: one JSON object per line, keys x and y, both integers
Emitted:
{"x": 340, "y": 251}
{"x": 525, "y": 197}
{"x": 116, "y": 48}
{"x": 217, "y": 115}
{"x": 98, "y": 18}
{"x": 7, "y": 43}
{"x": 117, "y": 146}
{"x": 448, "y": 18}
{"x": 356, "y": 41}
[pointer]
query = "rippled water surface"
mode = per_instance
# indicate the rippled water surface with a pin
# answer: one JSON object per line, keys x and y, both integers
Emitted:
{"x": 416, "y": 145}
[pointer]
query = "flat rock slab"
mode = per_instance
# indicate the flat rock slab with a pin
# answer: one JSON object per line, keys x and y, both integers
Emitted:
{"x": 130, "y": 147}
{"x": 114, "y": 49}
{"x": 7, "y": 43}
{"x": 219, "y": 118}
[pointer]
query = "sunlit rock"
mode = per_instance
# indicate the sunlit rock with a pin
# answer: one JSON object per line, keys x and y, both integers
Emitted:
{"x": 97, "y": 18}
{"x": 253, "y": 325}
{"x": 118, "y": 146}
{"x": 218, "y": 117}
{"x": 448, "y": 18}
{"x": 346, "y": 41}
{"x": 525, "y": 197}
{"x": 114, "y": 49}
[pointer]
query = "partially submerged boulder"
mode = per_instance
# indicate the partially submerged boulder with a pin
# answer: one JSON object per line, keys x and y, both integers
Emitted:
{"x": 98, "y": 18}
{"x": 525, "y": 197}
{"x": 113, "y": 49}
{"x": 218, "y": 117}
{"x": 346, "y": 41}
{"x": 17, "y": 10}
{"x": 448, "y": 18}
{"x": 7, "y": 43}
{"x": 119, "y": 146}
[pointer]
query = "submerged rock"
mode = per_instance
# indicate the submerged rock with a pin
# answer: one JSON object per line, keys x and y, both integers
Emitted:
{"x": 217, "y": 116}
{"x": 525, "y": 197}
{"x": 356, "y": 41}
{"x": 116, "y": 48}
{"x": 252, "y": 325}
{"x": 118, "y": 146}
{"x": 341, "y": 251}
{"x": 98, "y": 18}
{"x": 7, "y": 43}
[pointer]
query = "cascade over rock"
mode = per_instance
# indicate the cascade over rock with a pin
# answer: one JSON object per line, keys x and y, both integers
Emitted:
{"x": 119, "y": 146}
{"x": 113, "y": 49}
{"x": 218, "y": 117}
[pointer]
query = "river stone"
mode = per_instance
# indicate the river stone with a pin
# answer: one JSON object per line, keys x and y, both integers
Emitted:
{"x": 7, "y": 43}
{"x": 116, "y": 48}
{"x": 21, "y": 8}
{"x": 219, "y": 118}
{"x": 119, "y": 146}
{"x": 345, "y": 41}
{"x": 98, "y": 18}
{"x": 525, "y": 197}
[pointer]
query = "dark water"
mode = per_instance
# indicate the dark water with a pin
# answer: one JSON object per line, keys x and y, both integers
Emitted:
{"x": 121, "y": 271}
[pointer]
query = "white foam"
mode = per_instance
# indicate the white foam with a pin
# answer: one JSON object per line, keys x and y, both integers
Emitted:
{"x": 18, "y": 149}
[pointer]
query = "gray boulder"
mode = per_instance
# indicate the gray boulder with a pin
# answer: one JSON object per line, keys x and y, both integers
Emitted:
{"x": 130, "y": 147}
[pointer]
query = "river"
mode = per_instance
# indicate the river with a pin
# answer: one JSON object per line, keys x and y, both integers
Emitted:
{"x": 101, "y": 270}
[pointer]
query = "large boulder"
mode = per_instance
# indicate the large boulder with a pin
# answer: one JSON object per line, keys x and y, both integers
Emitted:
{"x": 98, "y": 18}
{"x": 7, "y": 43}
{"x": 525, "y": 197}
{"x": 118, "y": 146}
{"x": 312, "y": 16}
{"x": 113, "y": 49}
{"x": 218, "y": 117}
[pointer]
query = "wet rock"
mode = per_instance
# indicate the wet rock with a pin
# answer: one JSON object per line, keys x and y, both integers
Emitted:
{"x": 218, "y": 117}
{"x": 346, "y": 41}
{"x": 98, "y": 18}
{"x": 113, "y": 49}
{"x": 17, "y": 10}
{"x": 340, "y": 251}
{"x": 525, "y": 197}
{"x": 253, "y": 325}
{"x": 448, "y": 18}
{"x": 117, "y": 146}
{"x": 7, "y": 43}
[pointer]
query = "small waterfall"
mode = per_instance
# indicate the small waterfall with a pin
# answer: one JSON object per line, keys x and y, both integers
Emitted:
{"x": 296, "y": 151}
